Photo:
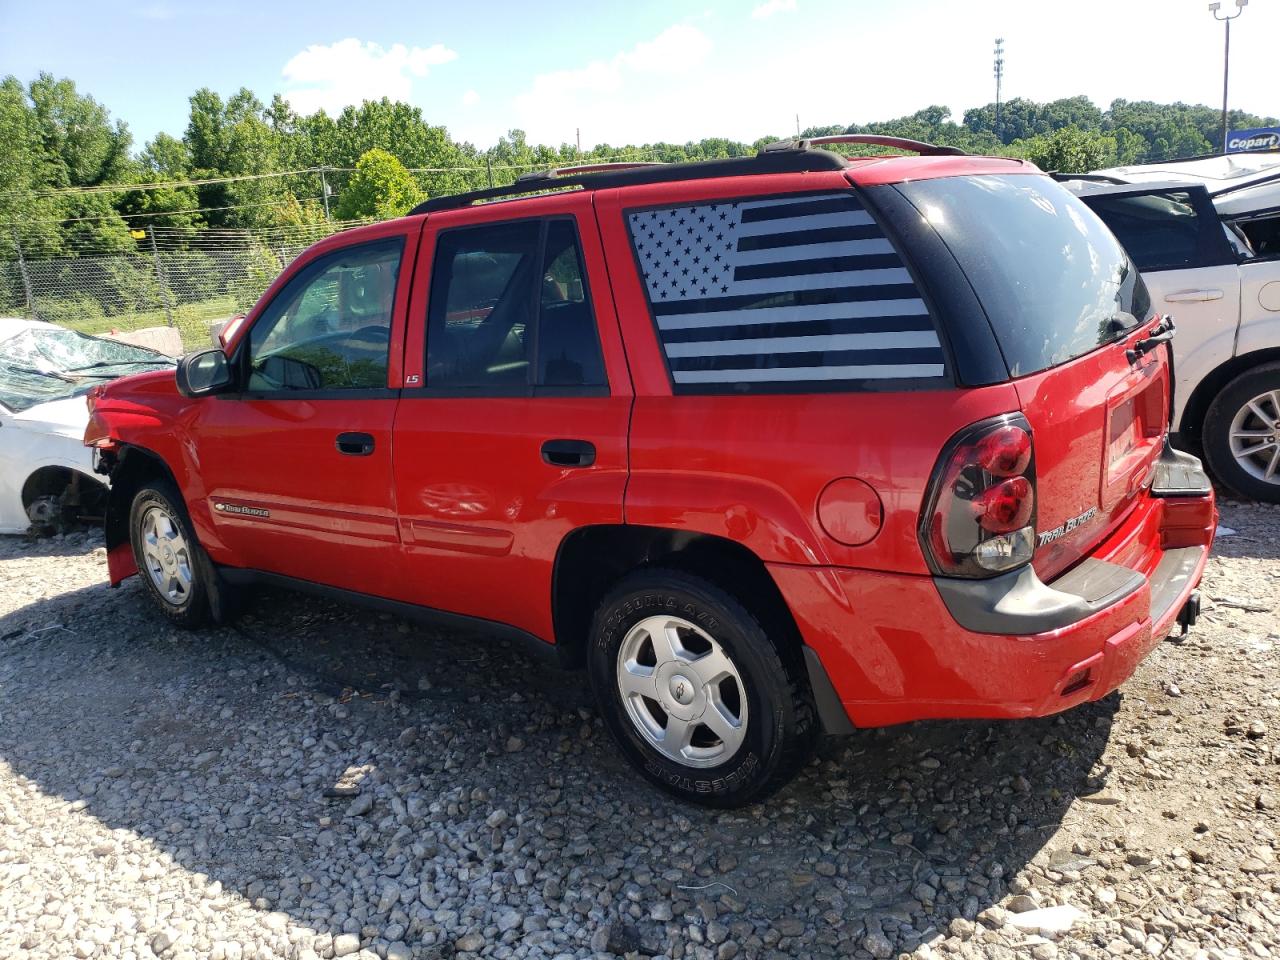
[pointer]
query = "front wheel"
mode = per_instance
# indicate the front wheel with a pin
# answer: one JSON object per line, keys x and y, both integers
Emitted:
{"x": 694, "y": 691}
{"x": 1242, "y": 434}
{"x": 168, "y": 555}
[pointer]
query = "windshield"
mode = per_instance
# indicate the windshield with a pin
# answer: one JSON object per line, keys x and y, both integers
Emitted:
{"x": 1053, "y": 280}
{"x": 41, "y": 364}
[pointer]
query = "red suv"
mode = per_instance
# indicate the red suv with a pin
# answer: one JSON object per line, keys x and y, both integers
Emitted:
{"x": 769, "y": 445}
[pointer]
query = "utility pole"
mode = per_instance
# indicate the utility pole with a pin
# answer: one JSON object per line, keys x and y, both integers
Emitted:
{"x": 164, "y": 287}
{"x": 998, "y": 70}
{"x": 26, "y": 277}
{"x": 1226, "y": 57}
{"x": 488, "y": 165}
{"x": 578, "y": 133}
{"x": 797, "y": 126}
{"x": 324, "y": 190}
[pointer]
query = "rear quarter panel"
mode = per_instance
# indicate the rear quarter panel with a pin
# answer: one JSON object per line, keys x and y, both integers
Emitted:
{"x": 750, "y": 468}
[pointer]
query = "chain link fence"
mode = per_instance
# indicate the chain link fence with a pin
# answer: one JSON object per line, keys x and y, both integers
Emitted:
{"x": 186, "y": 281}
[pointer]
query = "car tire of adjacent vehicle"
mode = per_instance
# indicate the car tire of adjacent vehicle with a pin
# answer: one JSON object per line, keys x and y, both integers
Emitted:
{"x": 694, "y": 691}
{"x": 170, "y": 561}
{"x": 1242, "y": 434}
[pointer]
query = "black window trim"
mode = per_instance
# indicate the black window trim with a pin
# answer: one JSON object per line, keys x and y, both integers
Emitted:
{"x": 240, "y": 359}
{"x": 793, "y": 388}
{"x": 530, "y": 389}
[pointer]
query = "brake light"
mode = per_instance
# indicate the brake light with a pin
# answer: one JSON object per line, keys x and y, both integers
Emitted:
{"x": 979, "y": 517}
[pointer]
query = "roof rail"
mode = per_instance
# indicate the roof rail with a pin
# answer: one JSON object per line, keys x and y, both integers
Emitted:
{"x": 604, "y": 176}
{"x": 556, "y": 172}
{"x": 872, "y": 139}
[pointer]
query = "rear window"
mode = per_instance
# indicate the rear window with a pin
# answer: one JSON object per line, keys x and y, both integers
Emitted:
{"x": 795, "y": 293}
{"x": 1053, "y": 280}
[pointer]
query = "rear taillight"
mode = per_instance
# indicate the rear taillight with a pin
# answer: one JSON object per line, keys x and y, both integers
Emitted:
{"x": 980, "y": 512}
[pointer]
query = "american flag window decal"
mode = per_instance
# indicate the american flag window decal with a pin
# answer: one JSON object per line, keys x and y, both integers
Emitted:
{"x": 793, "y": 292}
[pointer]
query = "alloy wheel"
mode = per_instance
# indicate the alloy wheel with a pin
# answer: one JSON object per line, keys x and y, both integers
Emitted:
{"x": 166, "y": 555}
{"x": 1255, "y": 437}
{"x": 682, "y": 692}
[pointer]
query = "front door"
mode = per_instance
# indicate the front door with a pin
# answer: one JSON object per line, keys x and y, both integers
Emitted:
{"x": 297, "y": 465}
{"x": 517, "y": 433}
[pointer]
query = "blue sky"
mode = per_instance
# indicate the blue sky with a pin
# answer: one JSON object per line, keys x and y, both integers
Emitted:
{"x": 639, "y": 71}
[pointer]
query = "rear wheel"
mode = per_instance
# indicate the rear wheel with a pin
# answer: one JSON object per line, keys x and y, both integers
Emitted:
{"x": 694, "y": 691}
{"x": 1242, "y": 434}
{"x": 168, "y": 555}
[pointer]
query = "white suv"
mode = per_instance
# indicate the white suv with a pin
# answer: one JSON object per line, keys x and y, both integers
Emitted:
{"x": 1214, "y": 263}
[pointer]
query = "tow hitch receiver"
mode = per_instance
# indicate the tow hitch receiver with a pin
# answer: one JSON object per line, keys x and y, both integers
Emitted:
{"x": 1190, "y": 612}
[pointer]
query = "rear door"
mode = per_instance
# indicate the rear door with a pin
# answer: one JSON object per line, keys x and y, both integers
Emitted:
{"x": 1176, "y": 240}
{"x": 297, "y": 465}
{"x": 1067, "y": 306}
{"x": 516, "y": 431}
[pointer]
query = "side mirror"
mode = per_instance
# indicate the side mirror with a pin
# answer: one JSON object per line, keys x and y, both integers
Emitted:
{"x": 204, "y": 373}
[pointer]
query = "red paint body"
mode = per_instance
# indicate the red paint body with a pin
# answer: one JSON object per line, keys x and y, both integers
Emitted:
{"x": 456, "y": 510}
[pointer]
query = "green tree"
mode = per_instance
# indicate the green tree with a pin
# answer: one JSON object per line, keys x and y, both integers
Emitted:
{"x": 1069, "y": 150}
{"x": 381, "y": 187}
{"x": 26, "y": 210}
{"x": 78, "y": 134}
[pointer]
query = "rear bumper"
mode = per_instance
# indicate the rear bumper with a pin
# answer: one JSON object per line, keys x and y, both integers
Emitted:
{"x": 897, "y": 647}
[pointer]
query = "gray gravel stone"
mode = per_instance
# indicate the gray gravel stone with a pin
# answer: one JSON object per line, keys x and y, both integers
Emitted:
{"x": 195, "y": 792}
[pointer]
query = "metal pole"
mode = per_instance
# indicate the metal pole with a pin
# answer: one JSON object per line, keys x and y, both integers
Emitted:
{"x": 488, "y": 164}
{"x": 164, "y": 288}
{"x": 1215, "y": 8}
{"x": 1226, "y": 67}
{"x": 324, "y": 189}
{"x": 26, "y": 277}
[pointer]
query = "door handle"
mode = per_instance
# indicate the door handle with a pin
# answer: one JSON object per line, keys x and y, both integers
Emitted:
{"x": 1193, "y": 296}
{"x": 355, "y": 444}
{"x": 569, "y": 453}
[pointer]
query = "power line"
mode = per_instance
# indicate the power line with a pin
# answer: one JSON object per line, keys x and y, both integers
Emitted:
{"x": 170, "y": 213}
{"x": 306, "y": 171}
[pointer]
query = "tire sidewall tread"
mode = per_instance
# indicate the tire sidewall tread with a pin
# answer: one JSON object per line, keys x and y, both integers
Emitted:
{"x": 780, "y": 722}
{"x": 1215, "y": 436}
{"x": 194, "y": 612}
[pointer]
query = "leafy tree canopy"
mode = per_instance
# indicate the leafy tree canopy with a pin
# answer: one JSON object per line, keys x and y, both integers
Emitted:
{"x": 381, "y": 187}
{"x": 380, "y": 157}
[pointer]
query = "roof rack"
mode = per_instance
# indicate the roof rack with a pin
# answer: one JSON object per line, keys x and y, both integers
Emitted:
{"x": 871, "y": 139}
{"x": 600, "y": 176}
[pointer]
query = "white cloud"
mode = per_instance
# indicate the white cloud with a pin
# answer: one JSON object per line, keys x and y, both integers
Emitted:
{"x": 350, "y": 71}
{"x": 770, "y": 7}
{"x": 470, "y": 98}
{"x": 554, "y": 104}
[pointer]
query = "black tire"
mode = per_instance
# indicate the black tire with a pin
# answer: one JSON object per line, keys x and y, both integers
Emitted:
{"x": 1216, "y": 437}
{"x": 780, "y": 721}
{"x": 192, "y": 608}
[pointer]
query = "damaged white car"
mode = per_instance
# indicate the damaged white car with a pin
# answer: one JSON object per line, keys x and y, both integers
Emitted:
{"x": 46, "y": 475}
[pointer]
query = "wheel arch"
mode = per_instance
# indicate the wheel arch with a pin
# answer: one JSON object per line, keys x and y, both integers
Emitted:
{"x": 1191, "y": 428}
{"x": 133, "y": 467}
{"x": 55, "y": 479}
{"x": 592, "y": 559}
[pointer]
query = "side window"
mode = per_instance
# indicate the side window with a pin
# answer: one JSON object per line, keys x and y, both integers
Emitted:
{"x": 510, "y": 309}
{"x": 330, "y": 328}
{"x": 796, "y": 293}
{"x": 1264, "y": 235}
{"x": 1160, "y": 231}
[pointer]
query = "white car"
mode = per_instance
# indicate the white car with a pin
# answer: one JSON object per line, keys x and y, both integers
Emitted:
{"x": 1213, "y": 262}
{"x": 46, "y": 473}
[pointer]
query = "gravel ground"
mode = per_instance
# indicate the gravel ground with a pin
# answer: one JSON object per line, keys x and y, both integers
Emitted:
{"x": 323, "y": 781}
